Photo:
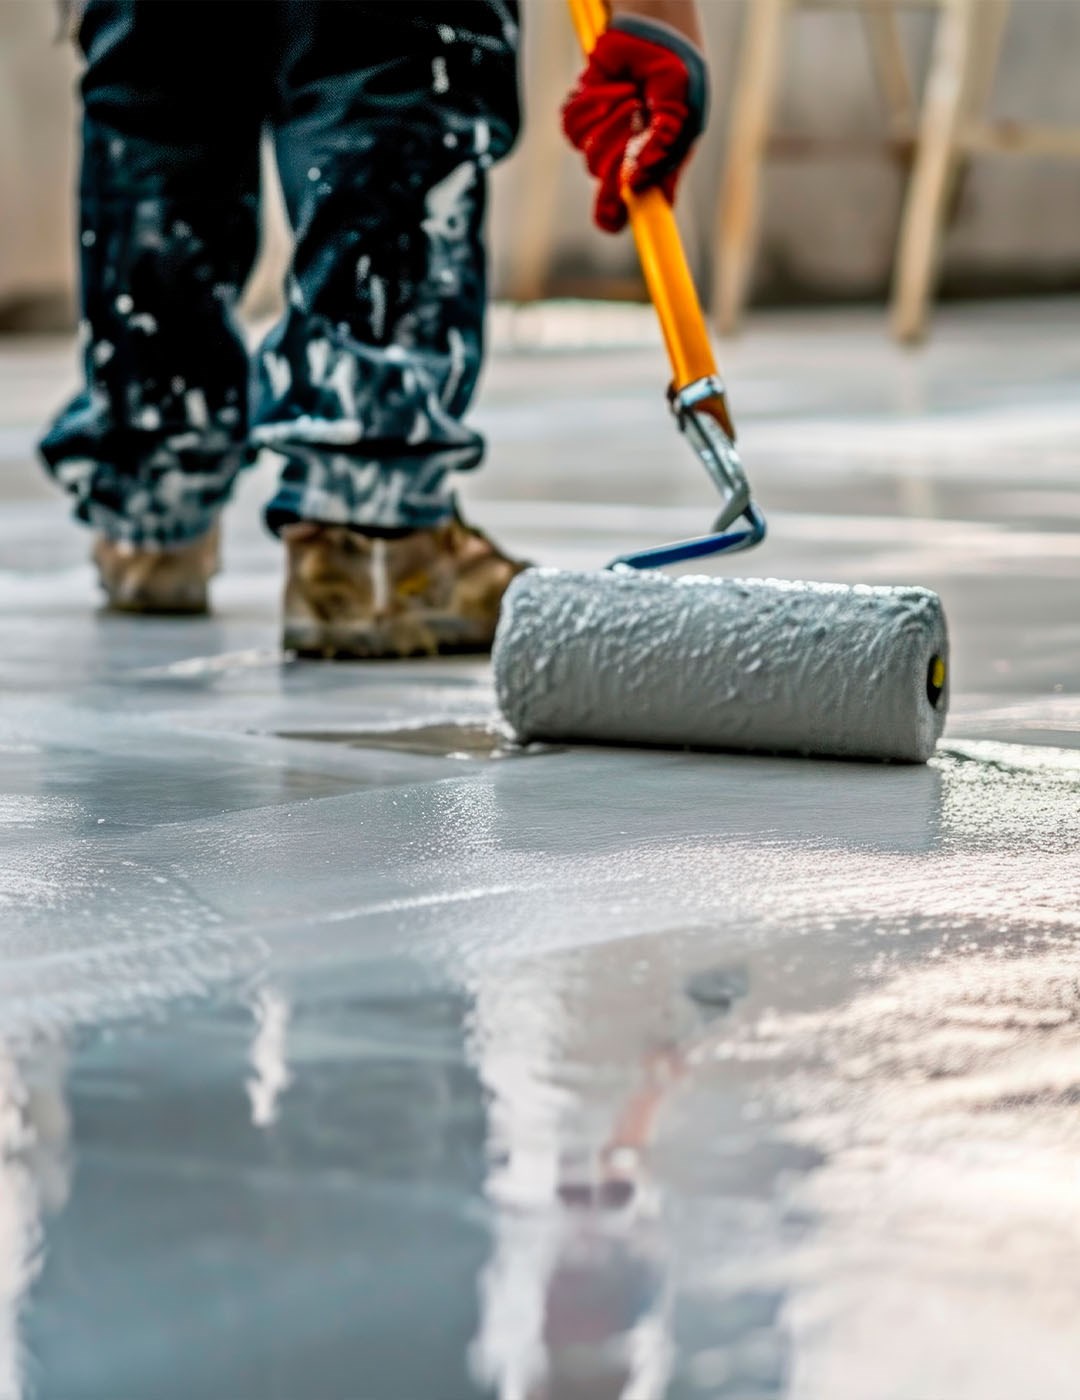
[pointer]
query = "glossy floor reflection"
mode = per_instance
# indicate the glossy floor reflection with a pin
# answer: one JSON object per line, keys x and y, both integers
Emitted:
{"x": 346, "y": 1056}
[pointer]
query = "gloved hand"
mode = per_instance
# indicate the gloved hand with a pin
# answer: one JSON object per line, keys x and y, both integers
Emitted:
{"x": 636, "y": 111}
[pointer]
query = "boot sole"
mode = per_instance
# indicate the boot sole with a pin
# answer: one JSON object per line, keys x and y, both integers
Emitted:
{"x": 194, "y": 608}
{"x": 320, "y": 641}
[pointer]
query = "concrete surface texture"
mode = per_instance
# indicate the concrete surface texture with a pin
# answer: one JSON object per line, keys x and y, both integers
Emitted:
{"x": 349, "y": 1052}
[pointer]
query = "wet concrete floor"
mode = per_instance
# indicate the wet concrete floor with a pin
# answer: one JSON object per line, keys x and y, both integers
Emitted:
{"x": 348, "y": 1052}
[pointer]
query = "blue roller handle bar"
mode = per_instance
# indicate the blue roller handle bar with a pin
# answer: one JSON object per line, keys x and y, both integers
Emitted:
{"x": 700, "y": 548}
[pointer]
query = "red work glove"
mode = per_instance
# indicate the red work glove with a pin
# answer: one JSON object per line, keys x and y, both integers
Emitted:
{"x": 636, "y": 111}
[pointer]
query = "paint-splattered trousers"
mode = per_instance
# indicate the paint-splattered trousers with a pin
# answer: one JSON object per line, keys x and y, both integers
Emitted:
{"x": 384, "y": 118}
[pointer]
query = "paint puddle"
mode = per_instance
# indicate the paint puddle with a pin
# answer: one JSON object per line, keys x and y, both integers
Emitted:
{"x": 34, "y": 810}
{"x": 996, "y": 795}
{"x": 224, "y": 663}
{"x": 458, "y": 741}
{"x": 1042, "y": 763}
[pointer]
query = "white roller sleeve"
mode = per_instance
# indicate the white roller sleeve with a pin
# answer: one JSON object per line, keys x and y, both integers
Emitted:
{"x": 639, "y": 658}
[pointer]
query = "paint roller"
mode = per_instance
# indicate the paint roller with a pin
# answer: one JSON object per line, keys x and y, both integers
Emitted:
{"x": 632, "y": 656}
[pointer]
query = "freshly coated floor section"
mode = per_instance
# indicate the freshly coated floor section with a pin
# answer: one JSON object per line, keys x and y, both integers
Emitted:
{"x": 349, "y": 1053}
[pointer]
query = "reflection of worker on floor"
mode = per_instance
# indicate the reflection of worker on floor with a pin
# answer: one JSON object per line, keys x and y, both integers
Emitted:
{"x": 386, "y": 118}
{"x": 609, "y": 1294}
{"x": 576, "y": 1299}
{"x": 579, "y": 1057}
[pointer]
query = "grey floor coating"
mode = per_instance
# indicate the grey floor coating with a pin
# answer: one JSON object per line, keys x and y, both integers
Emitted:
{"x": 348, "y": 1053}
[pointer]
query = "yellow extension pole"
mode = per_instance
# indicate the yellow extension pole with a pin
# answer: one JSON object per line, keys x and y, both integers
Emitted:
{"x": 660, "y": 249}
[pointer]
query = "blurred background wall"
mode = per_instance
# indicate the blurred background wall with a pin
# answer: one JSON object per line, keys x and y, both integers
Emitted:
{"x": 829, "y": 225}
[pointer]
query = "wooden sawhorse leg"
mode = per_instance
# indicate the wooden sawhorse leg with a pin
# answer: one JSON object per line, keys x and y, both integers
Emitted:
{"x": 755, "y": 91}
{"x": 962, "y": 66}
{"x": 533, "y": 224}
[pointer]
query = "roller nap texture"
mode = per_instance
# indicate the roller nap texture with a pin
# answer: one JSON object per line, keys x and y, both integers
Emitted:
{"x": 636, "y": 658}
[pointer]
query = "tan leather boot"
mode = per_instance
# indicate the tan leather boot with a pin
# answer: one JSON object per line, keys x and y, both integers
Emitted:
{"x": 350, "y": 595}
{"x": 162, "y": 581}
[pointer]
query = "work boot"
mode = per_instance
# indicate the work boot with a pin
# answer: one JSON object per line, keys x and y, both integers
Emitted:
{"x": 353, "y": 595}
{"x": 161, "y": 581}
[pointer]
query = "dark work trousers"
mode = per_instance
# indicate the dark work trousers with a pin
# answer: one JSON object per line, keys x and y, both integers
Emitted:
{"x": 385, "y": 117}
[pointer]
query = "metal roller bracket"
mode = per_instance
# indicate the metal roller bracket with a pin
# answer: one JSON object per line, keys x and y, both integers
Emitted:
{"x": 703, "y": 429}
{"x": 701, "y": 413}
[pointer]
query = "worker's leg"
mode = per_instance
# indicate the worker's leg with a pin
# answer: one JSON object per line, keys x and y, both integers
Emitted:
{"x": 388, "y": 117}
{"x": 172, "y": 110}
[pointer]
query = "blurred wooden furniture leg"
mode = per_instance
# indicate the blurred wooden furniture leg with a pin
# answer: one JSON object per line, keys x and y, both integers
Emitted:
{"x": 945, "y": 110}
{"x": 935, "y": 135}
{"x": 890, "y": 66}
{"x": 756, "y": 79}
{"x": 552, "y": 53}
{"x": 992, "y": 17}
